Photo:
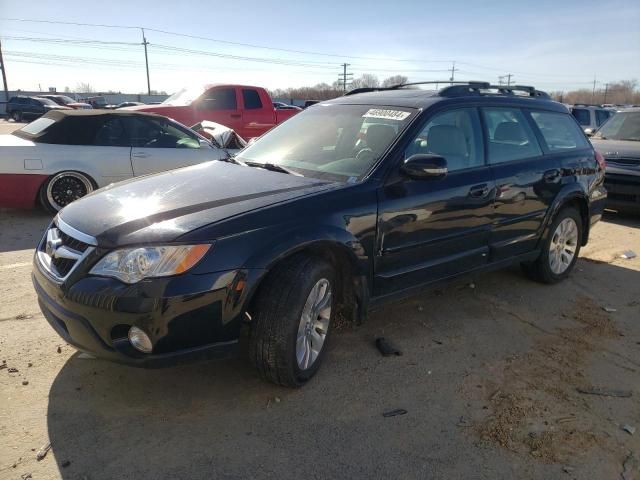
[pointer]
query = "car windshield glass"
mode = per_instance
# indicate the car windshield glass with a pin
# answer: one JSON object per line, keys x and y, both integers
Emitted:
{"x": 622, "y": 126}
{"x": 65, "y": 100}
{"x": 184, "y": 96}
{"x": 333, "y": 142}
{"x": 46, "y": 101}
{"x": 37, "y": 126}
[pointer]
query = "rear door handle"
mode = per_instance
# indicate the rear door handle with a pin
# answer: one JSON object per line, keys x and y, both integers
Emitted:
{"x": 139, "y": 155}
{"x": 479, "y": 191}
{"x": 551, "y": 175}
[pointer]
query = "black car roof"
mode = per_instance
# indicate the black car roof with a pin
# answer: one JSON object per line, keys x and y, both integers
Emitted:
{"x": 96, "y": 112}
{"x": 409, "y": 97}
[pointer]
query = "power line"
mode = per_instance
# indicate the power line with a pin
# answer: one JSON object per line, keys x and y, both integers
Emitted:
{"x": 345, "y": 77}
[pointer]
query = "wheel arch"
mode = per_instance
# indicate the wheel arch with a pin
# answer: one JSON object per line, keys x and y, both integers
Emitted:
{"x": 577, "y": 199}
{"x": 40, "y": 192}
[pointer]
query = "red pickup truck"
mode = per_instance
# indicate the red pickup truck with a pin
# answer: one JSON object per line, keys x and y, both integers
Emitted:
{"x": 247, "y": 110}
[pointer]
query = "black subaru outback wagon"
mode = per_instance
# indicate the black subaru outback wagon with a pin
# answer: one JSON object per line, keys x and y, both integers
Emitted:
{"x": 352, "y": 202}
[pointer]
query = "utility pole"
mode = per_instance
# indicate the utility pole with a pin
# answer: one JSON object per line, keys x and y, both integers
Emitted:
{"x": 345, "y": 77}
{"x": 453, "y": 71}
{"x": 606, "y": 89}
{"x": 146, "y": 60}
{"x": 593, "y": 92}
{"x": 4, "y": 76}
{"x": 508, "y": 77}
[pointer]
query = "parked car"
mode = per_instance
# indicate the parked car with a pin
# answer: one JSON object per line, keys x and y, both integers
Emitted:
{"x": 128, "y": 104}
{"x": 618, "y": 141}
{"x": 66, "y": 101}
{"x": 27, "y": 108}
{"x": 312, "y": 219}
{"x": 97, "y": 102}
{"x": 65, "y": 155}
{"x": 590, "y": 117}
{"x": 309, "y": 103}
{"x": 246, "y": 110}
{"x": 285, "y": 106}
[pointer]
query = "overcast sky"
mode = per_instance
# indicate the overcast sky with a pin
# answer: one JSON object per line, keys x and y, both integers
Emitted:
{"x": 555, "y": 45}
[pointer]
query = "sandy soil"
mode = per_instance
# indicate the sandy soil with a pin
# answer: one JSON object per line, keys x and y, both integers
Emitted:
{"x": 490, "y": 378}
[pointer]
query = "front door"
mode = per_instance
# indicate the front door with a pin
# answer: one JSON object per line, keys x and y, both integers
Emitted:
{"x": 431, "y": 229}
{"x": 158, "y": 145}
{"x": 220, "y": 105}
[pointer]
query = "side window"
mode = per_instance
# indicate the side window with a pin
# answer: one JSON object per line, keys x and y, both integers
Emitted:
{"x": 602, "y": 116}
{"x": 582, "y": 115}
{"x": 559, "y": 130}
{"x": 111, "y": 134}
{"x": 509, "y": 135}
{"x": 251, "y": 99}
{"x": 147, "y": 133}
{"x": 454, "y": 135}
{"x": 220, "y": 99}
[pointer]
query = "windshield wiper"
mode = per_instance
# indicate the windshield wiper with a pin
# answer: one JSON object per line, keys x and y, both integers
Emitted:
{"x": 274, "y": 167}
{"x": 232, "y": 159}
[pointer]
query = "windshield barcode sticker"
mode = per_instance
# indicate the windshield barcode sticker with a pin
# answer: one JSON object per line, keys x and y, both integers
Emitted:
{"x": 387, "y": 114}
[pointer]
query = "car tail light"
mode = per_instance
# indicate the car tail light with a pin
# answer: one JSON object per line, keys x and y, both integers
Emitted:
{"x": 600, "y": 159}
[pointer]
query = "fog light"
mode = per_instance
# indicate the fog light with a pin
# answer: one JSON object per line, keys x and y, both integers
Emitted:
{"x": 140, "y": 340}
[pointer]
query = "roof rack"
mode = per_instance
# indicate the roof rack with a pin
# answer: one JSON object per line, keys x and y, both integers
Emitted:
{"x": 457, "y": 89}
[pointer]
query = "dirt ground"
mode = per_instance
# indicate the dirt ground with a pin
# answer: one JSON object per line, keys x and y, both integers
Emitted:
{"x": 490, "y": 378}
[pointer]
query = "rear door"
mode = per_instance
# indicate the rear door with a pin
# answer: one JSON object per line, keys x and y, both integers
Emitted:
{"x": 431, "y": 229}
{"x": 220, "y": 105}
{"x": 257, "y": 116}
{"x": 159, "y": 144}
{"x": 527, "y": 181}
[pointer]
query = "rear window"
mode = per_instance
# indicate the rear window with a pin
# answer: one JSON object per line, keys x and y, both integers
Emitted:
{"x": 37, "y": 126}
{"x": 602, "y": 116}
{"x": 582, "y": 115}
{"x": 251, "y": 99}
{"x": 560, "y": 131}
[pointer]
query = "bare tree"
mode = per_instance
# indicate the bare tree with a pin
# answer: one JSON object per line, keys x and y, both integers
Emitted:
{"x": 394, "y": 80}
{"x": 84, "y": 87}
{"x": 367, "y": 80}
{"x": 623, "y": 92}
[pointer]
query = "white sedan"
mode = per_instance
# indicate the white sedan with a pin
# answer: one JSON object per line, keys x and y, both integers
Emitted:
{"x": 65, "y": 155}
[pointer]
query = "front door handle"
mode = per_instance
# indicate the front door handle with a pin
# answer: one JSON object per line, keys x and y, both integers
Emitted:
{"x": 139, "y": 155}
{"x": 479, "y": 191}
{"x": 235, "y": 115}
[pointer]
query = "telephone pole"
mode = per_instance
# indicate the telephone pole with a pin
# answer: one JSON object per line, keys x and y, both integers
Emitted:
{"x": 606, "y": 89}
{"x": 507, "y": 76}
{"x": 146, "y": 60}
{"x": 453, "y": 71}
{"x": 344, "y": 77}
{"x": 593, "y": 92}
{"x": 4, "y": 76}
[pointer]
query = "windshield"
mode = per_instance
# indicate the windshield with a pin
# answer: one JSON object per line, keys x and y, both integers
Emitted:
{"x": 622, "y": 126}
{"x": 333, "y": 142}
{"x": 64, "y": 100}
{"x": 46, "y": 101}
{"x": 184, "y": 96}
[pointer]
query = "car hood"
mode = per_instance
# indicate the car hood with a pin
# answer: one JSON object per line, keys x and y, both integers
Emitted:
{"x": 14, "y": 141}
{"x": 162, "y": 207}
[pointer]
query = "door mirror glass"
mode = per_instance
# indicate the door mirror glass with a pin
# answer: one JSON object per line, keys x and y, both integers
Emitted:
{"x": 424, "y": 166}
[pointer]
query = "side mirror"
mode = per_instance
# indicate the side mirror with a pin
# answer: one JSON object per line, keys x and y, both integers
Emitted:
{"x": 589, "y": 131}
{"x": 424, "y": 166}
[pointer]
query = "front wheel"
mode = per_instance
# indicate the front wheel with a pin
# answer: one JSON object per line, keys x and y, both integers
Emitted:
{"x": 560, "y": 250}
{"x": 290, "y": 322}
{"x": 63, "y": 188}
{"x": 16, "y": 116}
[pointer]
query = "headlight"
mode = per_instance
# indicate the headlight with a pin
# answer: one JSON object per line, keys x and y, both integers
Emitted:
{"x": 133, "y": 264}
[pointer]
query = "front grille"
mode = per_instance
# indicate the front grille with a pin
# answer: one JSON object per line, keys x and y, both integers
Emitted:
{"x": 60, "y": 251}
{"x": 626, "y": 161}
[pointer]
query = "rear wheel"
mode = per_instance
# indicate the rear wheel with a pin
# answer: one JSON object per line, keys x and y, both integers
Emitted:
{"x": 560, "y": 250}
{"x": 16, "y": 116}
{"x": 291, "y": 319}
{"x": 63, "y": 188}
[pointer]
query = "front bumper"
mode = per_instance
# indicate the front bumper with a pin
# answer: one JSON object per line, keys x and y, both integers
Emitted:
{"x": 188, "y": 317}
{"x": 623, "y": 191}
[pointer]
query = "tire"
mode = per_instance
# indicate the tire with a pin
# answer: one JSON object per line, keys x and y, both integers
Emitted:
{"x": 279, "y": 333}
{"x": 16, "y": 115}
{"x": 555, "y": 262}
{"x": 52, "y": 195}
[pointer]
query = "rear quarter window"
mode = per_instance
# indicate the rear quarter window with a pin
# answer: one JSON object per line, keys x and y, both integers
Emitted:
{"x": 251, "y": 99}
{"x": 559, "y": 131}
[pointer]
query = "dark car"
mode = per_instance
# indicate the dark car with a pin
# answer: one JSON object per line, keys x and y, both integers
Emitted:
{"x": 618, "y": 141}
{"x": 285, "y": 106}
{"x": 27, "y": 108}
{"x": 364, "y": 198}
{"x": 66, "y": 101}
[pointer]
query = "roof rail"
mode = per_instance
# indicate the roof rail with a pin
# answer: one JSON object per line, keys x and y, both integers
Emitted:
{"x": 461, "y": 88}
